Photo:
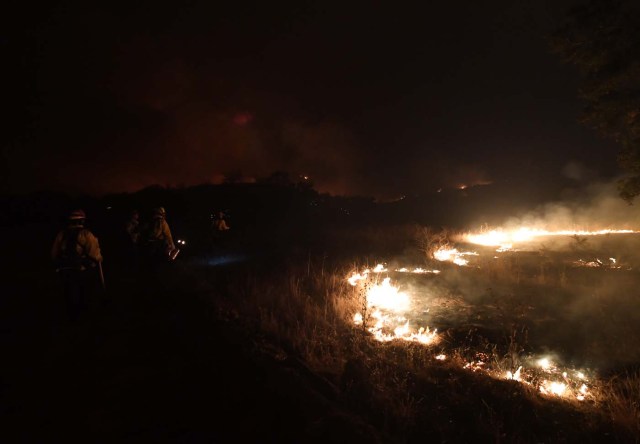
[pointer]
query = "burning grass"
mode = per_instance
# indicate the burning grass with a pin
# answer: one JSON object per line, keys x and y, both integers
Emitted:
{"x": 502, "y": 331}
{"x": 461, "y": 340}
{"x": 389, "y": 322}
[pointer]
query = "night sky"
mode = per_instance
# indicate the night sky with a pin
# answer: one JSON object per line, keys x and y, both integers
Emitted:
{"x": 367, "y": 98}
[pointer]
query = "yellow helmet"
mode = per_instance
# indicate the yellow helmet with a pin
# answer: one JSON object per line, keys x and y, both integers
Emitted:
{"x": 160, "y": 211}
{"x": 77, "y": 215}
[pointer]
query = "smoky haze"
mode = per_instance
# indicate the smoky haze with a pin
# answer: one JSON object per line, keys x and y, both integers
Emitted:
{"x": 588, "y": 207}
{"x": 573, "y": 299}
{"x": 107, "y": 98}
{"x": 544, "y": 299}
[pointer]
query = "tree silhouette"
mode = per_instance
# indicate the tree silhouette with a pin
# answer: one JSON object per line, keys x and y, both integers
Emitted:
{"x": 602, "y": 40}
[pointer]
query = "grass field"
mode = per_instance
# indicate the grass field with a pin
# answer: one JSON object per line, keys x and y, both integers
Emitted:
{"x": 565, "y": 319}
{"x": 271, "y": 340}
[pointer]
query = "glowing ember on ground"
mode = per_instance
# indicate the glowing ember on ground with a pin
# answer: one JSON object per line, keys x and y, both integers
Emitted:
{"x": 549, "y": 380}
{"x": 597, "y": 263}
{"x": 474, "y": 366}
{"x": 583, "y": 393}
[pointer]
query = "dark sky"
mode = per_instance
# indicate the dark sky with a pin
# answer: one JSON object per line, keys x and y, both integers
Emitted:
{"x": 366, "y": 98}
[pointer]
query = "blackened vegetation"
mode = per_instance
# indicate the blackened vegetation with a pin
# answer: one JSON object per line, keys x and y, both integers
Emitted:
{"x": 243, "y": 339}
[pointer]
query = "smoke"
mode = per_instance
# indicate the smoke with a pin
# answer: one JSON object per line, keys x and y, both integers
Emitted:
{"x": 594, "y": 207}
{"x": 163, "y": 121}
{"x": 582, "y": 316}
{"x": 204, "y": 146}
{"x": 578, "y": 172}
{"x": 326, "y": 152}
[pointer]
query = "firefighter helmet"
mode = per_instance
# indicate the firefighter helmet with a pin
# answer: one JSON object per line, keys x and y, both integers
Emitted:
{"x": 77, "y": 215}
{"x": 160, "y": 211}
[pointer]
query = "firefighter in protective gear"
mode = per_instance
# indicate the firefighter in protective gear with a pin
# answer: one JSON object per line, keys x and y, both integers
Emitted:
{"x": 76, "y": 255}
{"x": 220, "y": 223}
{"x": 156, "y": 240}
{"x": 131, "y": 241}
{"x": 219, "y": 234}
{"x": 133, "y": 227}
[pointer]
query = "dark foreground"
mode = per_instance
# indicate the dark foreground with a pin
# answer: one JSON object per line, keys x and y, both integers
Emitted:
{"x": 167, "y": 358}
{"x": 156, "y": 362}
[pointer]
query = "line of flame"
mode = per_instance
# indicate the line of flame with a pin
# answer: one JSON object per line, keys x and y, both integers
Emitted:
{"x": 507, "y": 238}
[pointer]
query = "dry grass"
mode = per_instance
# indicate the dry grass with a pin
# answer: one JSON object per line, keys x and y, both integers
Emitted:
{"x": 398, "y": 385}
{"x": 307, "y": 308}
{"x": 428, "y": 239}
{"x": 622, "y": 401}
{"x": 306, "y": 311}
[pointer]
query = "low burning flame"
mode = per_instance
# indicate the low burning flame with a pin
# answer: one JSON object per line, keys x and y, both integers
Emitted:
{"x": 506, "y": 239}
{"x": 385, "y": 317}
{"x": 444, "y": 254}
{"x": 383, "y": 330}
{"x": 388, "y": 304}
{"x": 386, "y": 296}
{"x": 514, "y": 376}
{"x": 417, "y": 270}
{"x": 553, "y": 388}
{"x": 544, "y": 363}
{"x": 379, "y": 269}
{"x": 550, "y": 380}
{"x": 598, "y": 263}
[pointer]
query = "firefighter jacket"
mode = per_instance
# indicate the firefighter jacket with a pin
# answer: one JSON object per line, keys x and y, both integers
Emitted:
{"x": 220, "y": 225}
{"x": 133, "y": 230}
{"x": 76, "y": 248}
{"x": 158, "y": 231}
